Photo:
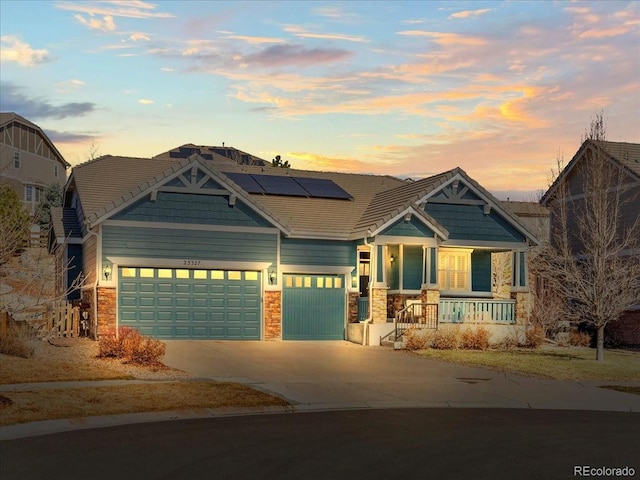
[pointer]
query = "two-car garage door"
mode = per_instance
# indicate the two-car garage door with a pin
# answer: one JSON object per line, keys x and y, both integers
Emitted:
{"x": 186, "y": 303}
{"x": 226, "y": 304}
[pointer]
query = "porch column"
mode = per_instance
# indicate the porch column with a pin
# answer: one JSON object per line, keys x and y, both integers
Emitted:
{"x": 524, "y": 303}
{"x": 429, "y": 292}
{"x": 429, "y": 295}
{"x": 520, "y": 288}
{"x": 378, "y": 287}
{"x": 378, "y": 299}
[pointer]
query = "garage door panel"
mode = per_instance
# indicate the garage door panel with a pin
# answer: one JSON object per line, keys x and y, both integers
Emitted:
{"x": 165, "y": 302}
{"x": 146, "y": 301}
{"x": 201, "y": 289}
{"x": 200, "y": 316}
{"x": 313, "y": 307}
{"x": 180, "y": 303}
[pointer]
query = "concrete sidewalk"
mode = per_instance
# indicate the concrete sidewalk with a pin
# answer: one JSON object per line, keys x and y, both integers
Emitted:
{"x": 316, "y": 376}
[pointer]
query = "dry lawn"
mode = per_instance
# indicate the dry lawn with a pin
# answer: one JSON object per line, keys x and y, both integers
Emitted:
{"x": 76, "y": 360}
{"x": 34, "y": 405}
{"x": 560, "y": 363}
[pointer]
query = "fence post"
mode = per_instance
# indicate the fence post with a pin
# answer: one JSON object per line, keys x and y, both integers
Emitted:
{"x": 4, "y": 320}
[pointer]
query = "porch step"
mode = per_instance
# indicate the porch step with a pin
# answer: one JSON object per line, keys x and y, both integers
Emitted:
{"x": 396, "y": 345}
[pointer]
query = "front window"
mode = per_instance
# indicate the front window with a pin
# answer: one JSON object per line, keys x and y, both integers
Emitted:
{"x": 55, "y": 170}
{"x": 454, "y": 270}
{"x": 16, "y": 160}
{"x": 28, "y": 193}
{"x": 364, "y": 271}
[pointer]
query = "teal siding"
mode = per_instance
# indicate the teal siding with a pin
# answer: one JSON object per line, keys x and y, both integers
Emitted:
{"x": 468, "y": 222}
{"x": 74, "y": 253}
{"x": 190, "y": 208}
{"x": 380, "y": 263}
{"x": 317, "y": 252}
{"x": 481, "y": 271}
{"x": 191, "y": 244}
{"x": 412, "y": 267}
{"x": 414, "y": 228}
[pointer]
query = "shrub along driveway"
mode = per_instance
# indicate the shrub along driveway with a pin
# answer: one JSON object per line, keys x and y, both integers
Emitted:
{"x": 340, "y": 374}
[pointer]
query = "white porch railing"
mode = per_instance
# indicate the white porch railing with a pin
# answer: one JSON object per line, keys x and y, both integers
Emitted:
{"x": 459, "y": 310}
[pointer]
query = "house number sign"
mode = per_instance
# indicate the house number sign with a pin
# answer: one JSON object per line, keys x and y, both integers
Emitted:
{"x": 191, "y": 263}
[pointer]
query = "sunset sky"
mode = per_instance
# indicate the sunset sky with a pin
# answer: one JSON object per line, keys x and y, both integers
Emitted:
{"x": 401, "y": 88}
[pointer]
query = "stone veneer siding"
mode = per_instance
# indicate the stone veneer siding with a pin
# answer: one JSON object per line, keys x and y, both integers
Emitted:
{"x": 523, "y": 307}
{"x": 379, "y": 305}
{"x": 106, "y": 310}
{"x": 352, "y": 314}
{"x": 272, "y": 315}
{"x": 430, "y": 296}
{"x": 396, "y": 302}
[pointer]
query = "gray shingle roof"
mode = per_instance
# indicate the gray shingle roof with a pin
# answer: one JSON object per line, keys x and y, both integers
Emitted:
{"x": 626, "y": 153}
{"x": 214, "y": 153}
{"x": 108, "y": 182}
{"x": 65, "y": 222}
{"x": 8, "y": 117}
{"x": 320, "y": 216}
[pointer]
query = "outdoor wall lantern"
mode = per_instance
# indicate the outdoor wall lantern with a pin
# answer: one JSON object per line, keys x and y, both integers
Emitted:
{"x": 392, "y": 259}
{"x": 106, "y": 270}
{"x": 354, "y": 280}
{"x": 272, "y": 276}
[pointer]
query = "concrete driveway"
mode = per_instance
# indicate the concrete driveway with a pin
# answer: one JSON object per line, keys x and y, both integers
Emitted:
{"x": 338, "y": 375}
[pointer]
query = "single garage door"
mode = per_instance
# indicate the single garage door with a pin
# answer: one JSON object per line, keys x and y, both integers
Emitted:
{"x": 182, "y": 303}
{"x": 313, "y": 307}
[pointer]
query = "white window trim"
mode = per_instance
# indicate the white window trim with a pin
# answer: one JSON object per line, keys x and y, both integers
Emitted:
{"x": 454, "y": 251}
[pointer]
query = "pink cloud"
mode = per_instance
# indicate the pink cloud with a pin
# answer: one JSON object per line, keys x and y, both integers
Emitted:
{"x": 283, "y": 55}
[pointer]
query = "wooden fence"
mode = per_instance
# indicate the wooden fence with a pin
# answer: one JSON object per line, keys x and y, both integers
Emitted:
{"x": 57, "y": 319}
{"x": 61, "y": 319}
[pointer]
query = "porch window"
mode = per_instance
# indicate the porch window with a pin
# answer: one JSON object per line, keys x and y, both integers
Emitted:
{"x": 454, "y": 270}
{"x": 364, "y": 271}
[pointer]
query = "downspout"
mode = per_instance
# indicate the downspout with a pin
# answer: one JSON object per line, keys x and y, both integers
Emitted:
{"x": 95, "y": 291}
{"x": 369, "y": 318}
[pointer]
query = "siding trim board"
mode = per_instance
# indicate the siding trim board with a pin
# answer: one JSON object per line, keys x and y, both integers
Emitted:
{"x": 319, "y": 269}
{"x": 180, "y": 263}
{"x": 190, "y": 226}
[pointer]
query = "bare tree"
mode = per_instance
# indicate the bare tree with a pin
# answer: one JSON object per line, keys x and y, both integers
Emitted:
{"x": 591, "y": 259}
{"x": 27, "y": 273}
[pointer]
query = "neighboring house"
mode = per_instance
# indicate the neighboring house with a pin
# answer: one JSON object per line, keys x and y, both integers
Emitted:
{"x": 626, "y": 158}
{"x": 217, "y": 154}
{"x": 29, "y": 161}
{"x": 533, "y": 216}
{"x": 189, "y": 248}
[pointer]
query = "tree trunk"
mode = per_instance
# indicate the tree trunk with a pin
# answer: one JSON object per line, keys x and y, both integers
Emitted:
{"x": 600, "y": 344}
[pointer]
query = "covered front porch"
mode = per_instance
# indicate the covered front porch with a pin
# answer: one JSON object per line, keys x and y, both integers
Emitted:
{"x": 437, "y": 287}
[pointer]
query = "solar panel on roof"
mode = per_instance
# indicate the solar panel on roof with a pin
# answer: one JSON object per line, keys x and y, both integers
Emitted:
{"x": 290, "y": 186}
{"x": 323, "y": 188}
{"x": 246, "y": 182}
{"x": 276, "y": 185}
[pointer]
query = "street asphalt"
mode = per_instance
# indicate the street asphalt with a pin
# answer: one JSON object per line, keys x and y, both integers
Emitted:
{"x": 433, "y": 443}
